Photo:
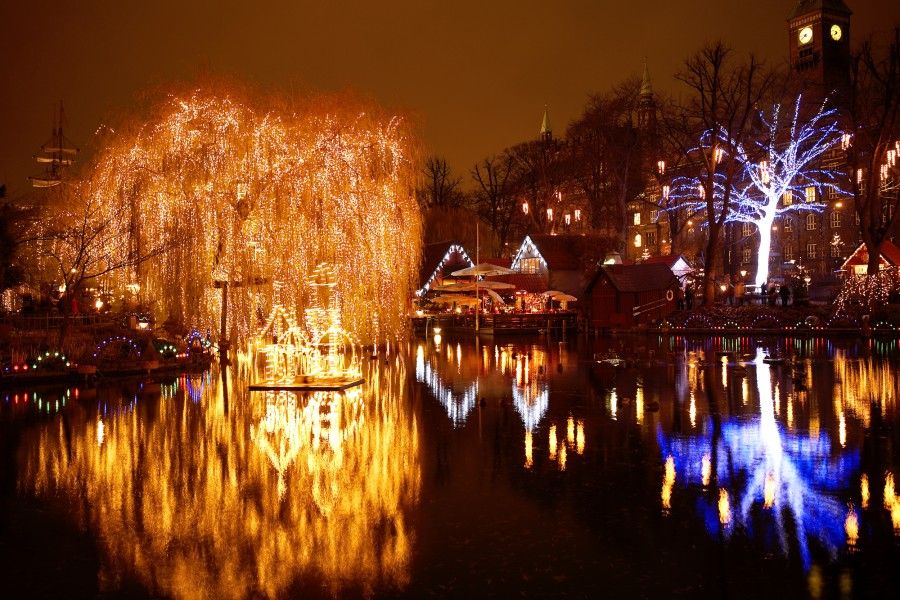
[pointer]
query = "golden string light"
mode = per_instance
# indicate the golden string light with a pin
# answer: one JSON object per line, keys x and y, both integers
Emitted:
{"x": 256, "y": 194}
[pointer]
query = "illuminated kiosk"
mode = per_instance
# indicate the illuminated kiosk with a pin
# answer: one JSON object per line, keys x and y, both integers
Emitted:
{"x": 320, "y": 357}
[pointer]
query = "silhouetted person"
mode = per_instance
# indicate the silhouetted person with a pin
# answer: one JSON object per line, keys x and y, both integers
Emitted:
{"x": 785, "y": 293}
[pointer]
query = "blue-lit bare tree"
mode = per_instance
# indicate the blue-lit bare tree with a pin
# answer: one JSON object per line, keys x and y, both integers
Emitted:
{"x": 778, "y": 166}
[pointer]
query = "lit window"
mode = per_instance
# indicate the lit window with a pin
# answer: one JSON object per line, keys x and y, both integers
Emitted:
{"x": 810, "y": 222}
{"x": 810, "y": 251}
{"x": 810, "y": 194}
{"x": 654, "y": 216}
{"x": 637, "y": 240}
{"x": 745, "y": 257}
{"x": 788, "y": 224}
{"x": 832, "y": 193}
{"x": 788, "y": 198}
{"x": 835, "y": 219}
{"x": 788, "y": 252}
{"x": 651, "y": 238}
{"x": 637, "y": 218}
{"x": 530, "y": 265}
{"x": 746, "y": 229}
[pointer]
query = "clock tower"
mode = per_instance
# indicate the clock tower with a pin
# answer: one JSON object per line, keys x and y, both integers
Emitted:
{"x": 819, "y": 42}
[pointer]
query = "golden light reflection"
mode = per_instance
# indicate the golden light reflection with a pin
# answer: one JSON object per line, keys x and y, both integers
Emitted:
{"x": 562, "y": 457}
{"x": 692, "y": 410}
{"x": 570, "y": 431}
{"x": 724, "y": 507}
{"x": 235, "y": 497}
{"x": 864, "y": 490}
{"x": 551, "y": 442}
{"x": 705, "y": 469}
{"x": 851, "y": 527}
{"x": 639, "y": 404}
{"x": 769, "y": 489}
{"x": 668, "y": 483}
{"x": 579, "y": 437}
{"x": 529, "y": 460}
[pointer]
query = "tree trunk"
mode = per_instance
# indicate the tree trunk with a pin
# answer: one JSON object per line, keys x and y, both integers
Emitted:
{"x": 709, "y": 279}
{"x": 765, "y": 249}
{"x": 874, "y": 255}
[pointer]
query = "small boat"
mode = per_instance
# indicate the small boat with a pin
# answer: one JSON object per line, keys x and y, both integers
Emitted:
{"x": 610, "y": 358}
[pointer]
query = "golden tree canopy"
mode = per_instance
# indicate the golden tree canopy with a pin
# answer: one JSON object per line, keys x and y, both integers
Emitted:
{"x": 257, "y": 195}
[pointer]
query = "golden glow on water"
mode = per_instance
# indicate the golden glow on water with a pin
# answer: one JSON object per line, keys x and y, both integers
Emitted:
{"x": 851, "y": 527}
{"x": 237, "y": 497}
{"x": 769, "y": 489}
{"x": 639, "y": 404}
{"x": 551, "y": 442}
{"x": 692, "y": 410}
{"x": 668, "y": 483}
{"x": 562, "y": 457}
{"x": 724, "y": 507}
{"x": 529, "y": 460}
{"x": 705, "y": 470}
{"x": 864, "y": 490}
{"x": 579, "y": 437}
{"x": 570, "y": 431}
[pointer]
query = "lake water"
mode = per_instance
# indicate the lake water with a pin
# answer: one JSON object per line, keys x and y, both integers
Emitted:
{"x": 464, "y": 468}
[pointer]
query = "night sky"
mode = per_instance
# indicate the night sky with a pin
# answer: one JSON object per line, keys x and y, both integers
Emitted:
{"x": 475, "y": 74}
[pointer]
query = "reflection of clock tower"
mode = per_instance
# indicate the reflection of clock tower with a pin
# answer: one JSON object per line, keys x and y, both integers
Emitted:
{"x": 819, "y": 38}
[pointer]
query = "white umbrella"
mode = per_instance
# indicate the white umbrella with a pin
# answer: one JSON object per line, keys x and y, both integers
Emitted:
{"x": 494, "y": 285}
{"x": 495, "y": 296}
{"x": 454, "y": 286}
{"x": 560, "y": 296}
{"x": 456, "y": 299}
{"x": 486, "y": 269}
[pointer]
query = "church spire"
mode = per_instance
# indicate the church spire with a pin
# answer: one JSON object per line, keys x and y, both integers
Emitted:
{"x": 646, "y": 105}
{"x": 546, "y": 132}
{"x": 646, "y": 88}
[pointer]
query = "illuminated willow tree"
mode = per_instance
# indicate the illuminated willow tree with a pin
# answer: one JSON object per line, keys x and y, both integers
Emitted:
{"x": 259, "y": 195}
{"x": 776, "y": 170}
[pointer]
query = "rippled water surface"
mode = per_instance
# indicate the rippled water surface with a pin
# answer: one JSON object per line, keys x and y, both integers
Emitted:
{"x": 464, "y": 468}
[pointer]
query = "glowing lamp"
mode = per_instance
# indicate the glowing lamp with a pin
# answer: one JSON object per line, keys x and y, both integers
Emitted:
{"x": 98, "y": 304}
{"x": 577, "y": 214}
{"x": 525, "y": 207}
{"x": 549, "y": 214}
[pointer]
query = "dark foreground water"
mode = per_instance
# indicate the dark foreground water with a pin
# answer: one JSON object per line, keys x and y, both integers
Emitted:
{"x": 503, "y": 468}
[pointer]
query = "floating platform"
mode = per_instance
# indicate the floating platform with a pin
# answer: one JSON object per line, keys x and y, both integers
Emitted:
{"x": 307, "y": 386}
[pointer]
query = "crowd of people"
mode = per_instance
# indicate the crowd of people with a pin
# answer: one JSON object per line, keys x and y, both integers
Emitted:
{"x": 737, "y": 293}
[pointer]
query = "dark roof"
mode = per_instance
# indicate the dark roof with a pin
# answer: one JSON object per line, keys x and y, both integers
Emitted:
{"x": 431, "y": 258}
{"x": 808, "y": 6}
{"x": 637, "y": 278}
{"x": 499, "y": 261}
{"x": 669, "y": 260}
{"x": 530, "y": 282}
{"x": 572, "y": 252}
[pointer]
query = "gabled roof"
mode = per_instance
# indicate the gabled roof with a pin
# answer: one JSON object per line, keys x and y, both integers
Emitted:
{"x": 569, "y": 252}
{"x": 669, "y": 260}
{"x": 434, "y": 255}
{"x": 808, "y": 6}
{"x": 889, "y": 253}
{"x": 637, "y": 278}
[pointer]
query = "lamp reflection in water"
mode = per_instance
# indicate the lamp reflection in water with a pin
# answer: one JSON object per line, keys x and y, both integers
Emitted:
{"x": 530, "y": 398}
{"x": 766, "y": 466}
{"x": 239, "y": 498}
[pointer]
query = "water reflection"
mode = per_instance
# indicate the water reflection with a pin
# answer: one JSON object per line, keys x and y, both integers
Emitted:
{"x": 238, "y": 498}
{"x": 769, "y": 478}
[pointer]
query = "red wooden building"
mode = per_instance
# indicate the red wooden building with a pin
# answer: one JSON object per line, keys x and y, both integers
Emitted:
{"x": 628, "y": 295}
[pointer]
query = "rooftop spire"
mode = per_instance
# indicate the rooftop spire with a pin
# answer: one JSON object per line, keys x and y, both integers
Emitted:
{"x": 546, "y": 132}
{"x": 646, "y": 88}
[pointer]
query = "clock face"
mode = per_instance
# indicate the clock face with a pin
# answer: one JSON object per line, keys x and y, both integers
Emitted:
{"x": 836, "y": 32}
{"x": 805, "y": 35}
